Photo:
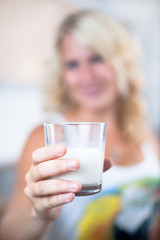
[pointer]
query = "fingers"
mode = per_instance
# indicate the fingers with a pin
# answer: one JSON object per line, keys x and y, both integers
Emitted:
{"x": 51, "y": 187}
{"x": 47, "y": 203}
{"x": 107, "y": 164}
{"x": 52, "y": 168}
{"x": 46, "y": 193}
{"x": 48, "y": 153}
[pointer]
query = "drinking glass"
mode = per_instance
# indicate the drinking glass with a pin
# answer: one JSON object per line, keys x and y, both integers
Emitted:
{"x": 86, "y": 142}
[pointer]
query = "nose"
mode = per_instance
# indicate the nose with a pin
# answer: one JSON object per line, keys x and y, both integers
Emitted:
{"x": 86, "y": 73}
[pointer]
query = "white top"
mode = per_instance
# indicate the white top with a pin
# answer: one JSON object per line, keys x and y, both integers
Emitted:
{"x": 123, "y": 207}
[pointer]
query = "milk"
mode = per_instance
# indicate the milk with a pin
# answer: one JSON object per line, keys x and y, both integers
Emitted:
{"x": 91, "y": 165}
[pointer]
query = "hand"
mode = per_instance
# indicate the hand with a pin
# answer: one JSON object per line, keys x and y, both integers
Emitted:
{"x": 107, "y": 164}
{"x": 45, "y": 193}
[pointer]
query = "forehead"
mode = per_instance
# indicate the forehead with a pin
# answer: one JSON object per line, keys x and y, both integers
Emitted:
{"x": 71, "y": 48}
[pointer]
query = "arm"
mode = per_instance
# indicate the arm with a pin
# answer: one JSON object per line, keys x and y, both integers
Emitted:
{"x": 29, "y": 219}
{"x": 18, "y": 216}
{"x": 24, "y": 219}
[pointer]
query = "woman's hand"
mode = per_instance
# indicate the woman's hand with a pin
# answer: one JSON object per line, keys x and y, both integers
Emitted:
{"x": 45, "y": 193}
{"x": 107, "y": 164}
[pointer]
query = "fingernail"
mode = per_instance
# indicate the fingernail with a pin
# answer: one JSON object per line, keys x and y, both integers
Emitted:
{"x": 72, "y": 165}
{"x": 59, "y": 150}
{"x": 73, "y": 186}
{"x": 67, "y": 197}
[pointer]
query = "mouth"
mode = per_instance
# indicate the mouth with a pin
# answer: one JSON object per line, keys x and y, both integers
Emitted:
{"x": 92, "y": 91}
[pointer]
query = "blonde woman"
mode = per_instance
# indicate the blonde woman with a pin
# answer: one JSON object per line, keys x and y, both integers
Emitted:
{"x": 95, "y": 77}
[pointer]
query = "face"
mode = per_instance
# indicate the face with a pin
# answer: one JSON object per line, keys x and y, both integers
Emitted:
{"x": 90, "y": 82}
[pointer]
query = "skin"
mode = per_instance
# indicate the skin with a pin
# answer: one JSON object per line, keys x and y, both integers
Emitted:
{"x": 92, "y": 85}
{"x": 38, "y": 200}
{"x": 89, "y": 80}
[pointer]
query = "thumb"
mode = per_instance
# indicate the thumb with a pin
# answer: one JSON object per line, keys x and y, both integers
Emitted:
{"x": 107, "y": 164}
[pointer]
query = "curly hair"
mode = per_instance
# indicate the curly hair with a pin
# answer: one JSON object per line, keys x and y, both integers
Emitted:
{"x": 113, "y": 42}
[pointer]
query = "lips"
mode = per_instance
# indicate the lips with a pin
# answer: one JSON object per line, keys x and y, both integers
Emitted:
{"x": 92, "y": 91}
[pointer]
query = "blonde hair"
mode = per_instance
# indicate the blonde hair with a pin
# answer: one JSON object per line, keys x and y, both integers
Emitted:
{"x": 120, "y": 50}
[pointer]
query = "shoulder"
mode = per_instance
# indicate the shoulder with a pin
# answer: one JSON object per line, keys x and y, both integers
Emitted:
{"x": 37, "y": 132}
{"x": 36, "y": 137}
{"x": 34, "y": 141}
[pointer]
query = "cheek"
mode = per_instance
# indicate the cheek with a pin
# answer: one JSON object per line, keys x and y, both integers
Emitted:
{"x": 104, "y": 72}
{"x": 107, "y": 76}
{"x": 70, "y": 79}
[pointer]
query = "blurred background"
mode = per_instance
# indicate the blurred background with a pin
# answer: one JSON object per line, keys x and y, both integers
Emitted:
{"x": 27, "y": 30}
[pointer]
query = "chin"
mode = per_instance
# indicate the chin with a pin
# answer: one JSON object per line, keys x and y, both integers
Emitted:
{"x": 103, "y": 103}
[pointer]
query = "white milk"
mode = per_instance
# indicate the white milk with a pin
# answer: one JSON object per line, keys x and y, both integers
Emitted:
{"x": 90, "y": 171}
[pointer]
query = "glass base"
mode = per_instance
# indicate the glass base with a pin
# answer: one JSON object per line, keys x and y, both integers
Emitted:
{"x": 89, "y": 190}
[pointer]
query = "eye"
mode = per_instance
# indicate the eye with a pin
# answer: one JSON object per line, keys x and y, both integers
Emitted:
{"x": 71, "y": 65}
{"x": 96, "y": 59}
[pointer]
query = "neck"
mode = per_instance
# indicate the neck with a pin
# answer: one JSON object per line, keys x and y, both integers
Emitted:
{"x": 84, "y": 115}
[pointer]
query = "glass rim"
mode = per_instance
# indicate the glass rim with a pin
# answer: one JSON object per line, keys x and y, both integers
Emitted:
{"x": 74, "y": 123}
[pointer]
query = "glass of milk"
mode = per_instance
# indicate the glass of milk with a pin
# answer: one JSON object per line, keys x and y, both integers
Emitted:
{"x": 86, "y": 142}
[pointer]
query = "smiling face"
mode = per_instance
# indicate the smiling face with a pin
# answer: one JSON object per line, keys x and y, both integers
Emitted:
{"x": 89, "y": 80}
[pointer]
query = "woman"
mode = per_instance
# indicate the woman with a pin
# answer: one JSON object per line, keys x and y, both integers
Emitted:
{"x": 95, "y": 77}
